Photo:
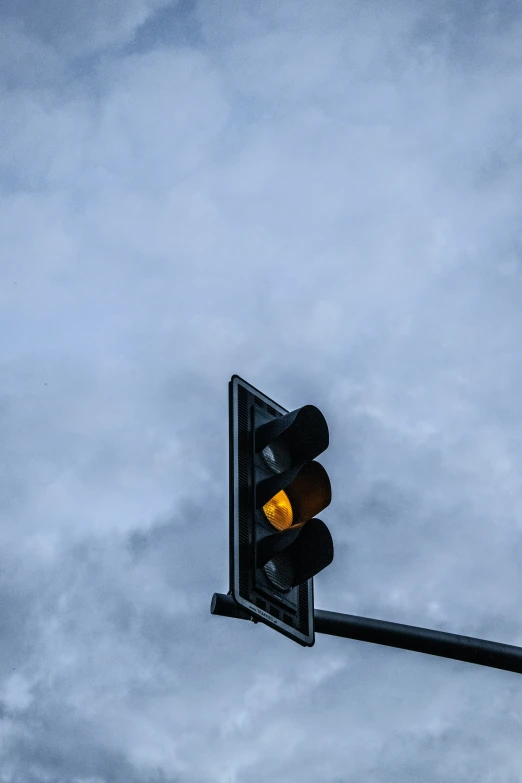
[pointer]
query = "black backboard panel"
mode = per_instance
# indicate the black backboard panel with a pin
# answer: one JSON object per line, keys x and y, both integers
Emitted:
{"x": 291, "y": 614}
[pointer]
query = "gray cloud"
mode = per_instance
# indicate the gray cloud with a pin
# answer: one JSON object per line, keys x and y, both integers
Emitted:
{"x": 325, "y": 199}
{"x": 68, "y": 28}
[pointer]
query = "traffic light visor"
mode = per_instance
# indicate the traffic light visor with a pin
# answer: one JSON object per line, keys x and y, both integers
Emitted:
{"x": 295, "y": 555}
{"x": 301, "y": 434}
{"x": 306, "y": 490}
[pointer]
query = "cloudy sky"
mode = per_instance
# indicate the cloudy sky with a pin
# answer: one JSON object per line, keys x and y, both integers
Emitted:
{"x": 324, "y": 198}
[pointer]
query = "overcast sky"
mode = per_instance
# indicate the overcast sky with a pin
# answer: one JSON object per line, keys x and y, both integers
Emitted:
{"x": 324, "y": 198}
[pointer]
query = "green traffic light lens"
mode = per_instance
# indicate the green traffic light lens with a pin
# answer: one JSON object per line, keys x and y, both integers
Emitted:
{"x": 279, "y": 511}
{"x": 280, "y": 572}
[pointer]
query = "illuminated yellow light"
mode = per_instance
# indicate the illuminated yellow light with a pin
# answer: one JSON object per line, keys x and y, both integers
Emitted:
{"x": 278, "y": 511}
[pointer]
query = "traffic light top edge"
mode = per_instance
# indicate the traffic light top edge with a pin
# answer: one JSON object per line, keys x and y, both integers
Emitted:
{"x": 254, "y": 390}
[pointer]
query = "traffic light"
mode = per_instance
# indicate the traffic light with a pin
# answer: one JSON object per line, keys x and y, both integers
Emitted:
{"x": 277, "y": 545}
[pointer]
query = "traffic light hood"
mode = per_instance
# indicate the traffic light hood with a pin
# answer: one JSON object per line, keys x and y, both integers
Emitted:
{"x": 299, "y": 552}
{"x": 303, "y": 433}
{"x": 307, "y": 486}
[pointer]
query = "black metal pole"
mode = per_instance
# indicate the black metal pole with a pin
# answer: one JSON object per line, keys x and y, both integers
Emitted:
{"x": 405, "y": 637}
{"x": 423, "y": 640}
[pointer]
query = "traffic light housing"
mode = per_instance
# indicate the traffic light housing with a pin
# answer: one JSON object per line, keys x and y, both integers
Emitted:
{"x": 277, "y": 545}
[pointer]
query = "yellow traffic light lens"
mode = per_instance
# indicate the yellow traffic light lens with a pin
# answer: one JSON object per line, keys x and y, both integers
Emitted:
{"x": 278, "y": 511}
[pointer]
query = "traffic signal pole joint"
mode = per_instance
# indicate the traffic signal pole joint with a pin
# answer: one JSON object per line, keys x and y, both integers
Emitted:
{"x": 404, "y": 637}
